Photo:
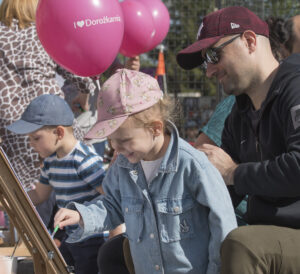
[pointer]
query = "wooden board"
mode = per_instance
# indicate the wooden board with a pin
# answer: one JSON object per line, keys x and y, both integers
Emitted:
{"x": 21, "y": 251}
{"x": 46, "y": 257}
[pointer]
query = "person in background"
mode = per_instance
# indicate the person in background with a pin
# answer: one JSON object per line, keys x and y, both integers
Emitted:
{"x": 278, "y": 35}
{"x": 260, "y": 151}
{"x": 72, "y": 169}
{"x": 211, "y": 133}
{"x": 174, "y": 203}
{"x": 27, "y": 72}
{"x": 292, "y": 25}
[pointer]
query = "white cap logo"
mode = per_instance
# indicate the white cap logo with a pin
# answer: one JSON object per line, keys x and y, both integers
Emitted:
{"x": 234, "y": 26}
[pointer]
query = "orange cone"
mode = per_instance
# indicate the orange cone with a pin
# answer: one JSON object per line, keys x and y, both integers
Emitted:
{"x": 161, "y": 69}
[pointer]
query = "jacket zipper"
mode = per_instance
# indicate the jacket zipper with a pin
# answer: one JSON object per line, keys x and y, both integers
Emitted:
{"x": 258, "y": 149}
{"x": 256, "y": 132}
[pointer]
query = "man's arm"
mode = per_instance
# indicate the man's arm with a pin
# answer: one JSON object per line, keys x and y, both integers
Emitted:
{"x": 211, "y": 133}
{"x": 203, "y": 139}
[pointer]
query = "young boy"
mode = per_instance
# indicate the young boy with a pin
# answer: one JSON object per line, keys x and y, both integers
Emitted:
{"x": 72, "y": 169}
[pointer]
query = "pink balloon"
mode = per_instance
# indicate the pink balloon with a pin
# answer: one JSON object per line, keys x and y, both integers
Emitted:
{"x": 161, "y": 19}
{"x": 138, "y": 28}
{"x": 82, "y": 36}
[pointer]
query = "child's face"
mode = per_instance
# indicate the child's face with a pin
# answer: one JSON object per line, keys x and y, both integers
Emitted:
{"x": 44, "y": 141}
{"x": 135, "y": 143}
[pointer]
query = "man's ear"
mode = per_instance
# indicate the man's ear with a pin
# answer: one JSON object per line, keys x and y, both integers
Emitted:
{"x": 250, "y": 40}
{"x": 60, "y": 131}
{"x": 157, "y": 127}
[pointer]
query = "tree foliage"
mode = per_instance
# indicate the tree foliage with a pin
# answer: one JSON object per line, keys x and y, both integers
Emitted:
{"x": 186, "y": 16}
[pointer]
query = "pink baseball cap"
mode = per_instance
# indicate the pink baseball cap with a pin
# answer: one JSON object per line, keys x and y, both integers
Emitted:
{"x": 126, "y": 92}
{"x": 226, "y": 21}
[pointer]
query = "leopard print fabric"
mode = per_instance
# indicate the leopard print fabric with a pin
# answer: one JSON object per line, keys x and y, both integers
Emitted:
{"x": 26, "y": 72}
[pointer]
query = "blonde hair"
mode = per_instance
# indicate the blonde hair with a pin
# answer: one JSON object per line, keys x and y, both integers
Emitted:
{"x": 165, "y": 110}
{"x": 22, "y": 10}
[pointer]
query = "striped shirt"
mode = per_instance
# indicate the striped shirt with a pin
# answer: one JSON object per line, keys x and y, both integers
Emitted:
{"x": 75, "y": 176}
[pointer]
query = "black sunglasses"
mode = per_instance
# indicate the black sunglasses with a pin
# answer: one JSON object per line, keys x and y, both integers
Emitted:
{"x": 213, "y": 55}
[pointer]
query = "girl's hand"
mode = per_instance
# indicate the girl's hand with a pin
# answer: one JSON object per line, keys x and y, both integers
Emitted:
{"x": 65, "y": 217}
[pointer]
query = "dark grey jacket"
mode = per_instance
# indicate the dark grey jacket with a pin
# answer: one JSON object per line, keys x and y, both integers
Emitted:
{"x": 269, "y": 155}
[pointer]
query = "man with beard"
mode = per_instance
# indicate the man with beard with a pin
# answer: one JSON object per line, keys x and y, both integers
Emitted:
{"x": 260, "y": 151}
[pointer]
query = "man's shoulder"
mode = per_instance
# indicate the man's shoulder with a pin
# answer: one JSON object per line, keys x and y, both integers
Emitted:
{"x": 289, "y": 70}
{"x": 292, "y": 60}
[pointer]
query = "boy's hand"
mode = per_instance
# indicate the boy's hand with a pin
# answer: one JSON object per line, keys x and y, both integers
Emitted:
{"x": 65, "y": 217}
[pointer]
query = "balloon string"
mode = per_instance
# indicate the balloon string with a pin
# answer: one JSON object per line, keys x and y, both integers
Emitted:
{"x": 96, "y": 81}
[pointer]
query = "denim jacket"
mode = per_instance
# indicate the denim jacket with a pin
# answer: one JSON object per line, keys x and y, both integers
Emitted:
{"x": 176, "y": 223}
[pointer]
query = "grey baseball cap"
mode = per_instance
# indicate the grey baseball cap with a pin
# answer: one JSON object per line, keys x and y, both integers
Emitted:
{"x": 44, "y": 110}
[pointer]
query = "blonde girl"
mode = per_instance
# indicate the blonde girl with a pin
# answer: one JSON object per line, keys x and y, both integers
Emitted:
{"x": 174, "y": 203}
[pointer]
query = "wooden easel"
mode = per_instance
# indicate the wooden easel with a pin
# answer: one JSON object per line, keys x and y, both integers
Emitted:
{"x": 46, "y": 257}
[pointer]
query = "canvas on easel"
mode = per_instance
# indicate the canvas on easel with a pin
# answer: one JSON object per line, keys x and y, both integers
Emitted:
{"x": 46, "y": 257}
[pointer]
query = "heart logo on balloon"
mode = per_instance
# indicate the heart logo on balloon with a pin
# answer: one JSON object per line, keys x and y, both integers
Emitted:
{"x": 80, "y": 23}
{"x": 90, "y": 51}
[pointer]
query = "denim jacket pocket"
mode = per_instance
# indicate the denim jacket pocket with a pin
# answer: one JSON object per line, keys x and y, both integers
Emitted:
{"x": 133, "y": 215}
{"x": 175, "y": 219}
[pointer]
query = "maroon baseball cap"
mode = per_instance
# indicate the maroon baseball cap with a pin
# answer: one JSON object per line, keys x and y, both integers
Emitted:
{"x": 226, "y": 21}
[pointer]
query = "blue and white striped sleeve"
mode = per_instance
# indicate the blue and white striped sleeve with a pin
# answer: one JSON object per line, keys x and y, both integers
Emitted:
{"x": 91, "y": 170}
